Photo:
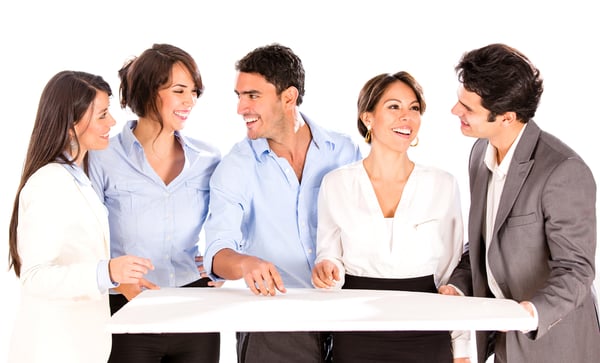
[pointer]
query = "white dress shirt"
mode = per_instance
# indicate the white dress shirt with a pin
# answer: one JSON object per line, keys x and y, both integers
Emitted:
{"x": 495, "y": 187}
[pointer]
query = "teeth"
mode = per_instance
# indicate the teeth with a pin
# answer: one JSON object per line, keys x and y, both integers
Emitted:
{"x": 250, "y": 119}
{"x": 182, "y": 114}
{"x": 402, "y": 131}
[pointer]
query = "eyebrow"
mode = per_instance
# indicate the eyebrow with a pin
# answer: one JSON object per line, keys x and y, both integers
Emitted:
{"x": 246, "y": 92}
{"x": 399, "y": 101}
{"x": 465, "y": 105}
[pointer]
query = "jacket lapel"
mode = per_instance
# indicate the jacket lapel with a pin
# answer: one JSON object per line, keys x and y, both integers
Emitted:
{"x": 96, "y": 206}
{"x": 519, "y": 168}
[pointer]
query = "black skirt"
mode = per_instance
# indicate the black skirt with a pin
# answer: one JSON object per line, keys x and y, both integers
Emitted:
{"x": 392, "y": 346}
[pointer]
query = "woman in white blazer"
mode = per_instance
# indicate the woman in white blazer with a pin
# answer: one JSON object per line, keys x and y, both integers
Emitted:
{"x": 59, "y": 238}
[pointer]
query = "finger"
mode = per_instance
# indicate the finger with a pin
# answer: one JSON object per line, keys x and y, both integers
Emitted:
{"x": 148, "y": 284}
{"x": 261, "y": 287}
{"x": 216, "y": 283}
{"x": 250, "y": 283}
{"x": 144, "y": 262}
{"x": 277, "y": 282}
{"x": 336, "y": 274}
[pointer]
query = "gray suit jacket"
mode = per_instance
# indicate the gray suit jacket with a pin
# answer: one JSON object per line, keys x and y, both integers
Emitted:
{"x": 542, "y": 250}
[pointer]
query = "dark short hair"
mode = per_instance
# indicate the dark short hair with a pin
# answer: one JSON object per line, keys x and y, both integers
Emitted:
{"x": 504, "y": 78}
{"x": 278, "y": 65}
{"x": 143, "y": 76}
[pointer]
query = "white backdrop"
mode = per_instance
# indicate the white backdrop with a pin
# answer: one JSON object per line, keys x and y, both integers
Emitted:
{"x": 341, "y": 43}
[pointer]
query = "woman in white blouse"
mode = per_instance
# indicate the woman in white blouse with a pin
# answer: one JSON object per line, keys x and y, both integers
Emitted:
{"x": 387, "y": 223}
{"x": 58, "y": 237}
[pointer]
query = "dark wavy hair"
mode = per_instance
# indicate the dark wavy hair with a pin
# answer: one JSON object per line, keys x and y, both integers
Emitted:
{"x": 278, "y": 64}
{"x": 504, "y": 78}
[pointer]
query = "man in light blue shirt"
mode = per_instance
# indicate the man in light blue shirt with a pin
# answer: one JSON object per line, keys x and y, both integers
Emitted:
{"x": 263, "y": 196}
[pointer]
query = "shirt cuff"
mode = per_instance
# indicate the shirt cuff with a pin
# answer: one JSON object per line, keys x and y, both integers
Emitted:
{"x": 461, "y": 343}
{"x": 103, "y": 277}
{"x": 457, "y": 290}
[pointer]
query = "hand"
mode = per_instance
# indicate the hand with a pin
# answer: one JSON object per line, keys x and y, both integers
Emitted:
{"x": 448, "y": 290}
{"x": 462, "y": 360}
{"x": 200, "y": 263}
{"x": 132, "y": 290}
{"x": 261, "y": 276}
{"x": 325, "y": 274}
{"x": 128, "y": 269}
{"x": 528, "y": 306}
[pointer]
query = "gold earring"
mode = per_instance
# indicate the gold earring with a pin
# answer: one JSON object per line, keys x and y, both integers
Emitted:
{"x": 415, "y": 142}
{"x": 368, "y": 136}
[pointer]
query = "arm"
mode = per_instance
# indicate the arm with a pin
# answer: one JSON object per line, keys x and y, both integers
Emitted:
{"x": 224, "y": 257}
{"x": 329, "y": 270}
{"x": 261, "y": 276}
{"x": 568, "y": 203}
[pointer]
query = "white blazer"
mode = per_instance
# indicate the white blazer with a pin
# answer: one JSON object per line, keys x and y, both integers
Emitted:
{"x": 62, "y": 235}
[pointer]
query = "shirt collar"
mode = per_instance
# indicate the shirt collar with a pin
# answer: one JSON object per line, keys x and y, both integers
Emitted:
{"x": 490, "y": 156}
{"x": 129, "y": 140}
{"x": 319, "y": 138}
{"x": 78, "y": 174}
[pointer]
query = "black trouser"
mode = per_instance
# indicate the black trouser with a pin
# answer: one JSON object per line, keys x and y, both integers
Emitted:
{"x": 168, "y": 347}
{"x": 288, "y": 347}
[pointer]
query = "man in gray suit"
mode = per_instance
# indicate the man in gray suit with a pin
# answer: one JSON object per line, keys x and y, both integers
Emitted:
{"x": 532, "y": 219}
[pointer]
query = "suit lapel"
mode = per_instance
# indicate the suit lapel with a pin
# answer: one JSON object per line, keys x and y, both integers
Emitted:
{"x": 520, "y": 167}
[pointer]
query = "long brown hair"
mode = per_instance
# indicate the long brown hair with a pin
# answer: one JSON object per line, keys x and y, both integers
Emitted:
{"x": 63, "y": 103}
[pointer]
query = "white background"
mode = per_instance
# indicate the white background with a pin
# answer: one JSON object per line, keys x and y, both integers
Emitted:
{"x": 342, "y": 45}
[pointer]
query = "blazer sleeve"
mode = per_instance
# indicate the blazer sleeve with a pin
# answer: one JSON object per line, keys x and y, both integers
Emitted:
{"x": 569, "y": 206}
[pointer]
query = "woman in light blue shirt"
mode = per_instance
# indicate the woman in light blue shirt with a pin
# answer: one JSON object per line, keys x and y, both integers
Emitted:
{"x": 154, "y": 182}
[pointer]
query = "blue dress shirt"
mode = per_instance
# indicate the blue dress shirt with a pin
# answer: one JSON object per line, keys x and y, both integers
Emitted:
{"x": 258, "y": 207}
{"x": 148, "y": 218}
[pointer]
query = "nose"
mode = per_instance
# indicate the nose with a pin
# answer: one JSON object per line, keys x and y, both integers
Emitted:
{"x": 241, "y": 106}
{"x": 112, "y": 122}
{"x": 192, "y": 99}
{"x": 455, "y": 109}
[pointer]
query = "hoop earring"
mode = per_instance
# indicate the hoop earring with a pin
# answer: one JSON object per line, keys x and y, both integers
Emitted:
{"x": 74, "y": 147}
{"x": 415, "y": 142}
{"x": 368, "y": 136}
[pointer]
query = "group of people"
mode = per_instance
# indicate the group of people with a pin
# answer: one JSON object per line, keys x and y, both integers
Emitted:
{"x": 95, "y": 222}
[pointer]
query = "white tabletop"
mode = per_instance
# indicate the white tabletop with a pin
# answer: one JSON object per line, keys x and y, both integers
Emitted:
{"x": 237, "y": 309}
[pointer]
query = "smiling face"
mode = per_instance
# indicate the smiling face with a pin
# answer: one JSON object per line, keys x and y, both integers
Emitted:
{"x": 396, "y": 119}
{"x": 260, "y": 105}
{"x": 177, "y": 99}
{"x": 474, "y": 118}
{"x": 94, "y": 127}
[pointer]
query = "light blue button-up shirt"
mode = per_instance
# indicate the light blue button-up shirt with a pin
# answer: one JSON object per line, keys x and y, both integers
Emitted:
{"x": 258, "y": 207}
{"x": 148, "y": 218}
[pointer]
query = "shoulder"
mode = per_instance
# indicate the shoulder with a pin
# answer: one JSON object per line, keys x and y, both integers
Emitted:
{"x": 51, "y": 179}
{"x": 115, "y": 147}
{"x": 240, "y": 160}
{"x": 53, "y": 172}
{"x": 435, "y": 173}
{"x": 435, "y": 178}
{"x": 343, "y": 173}
{"x": 203, "y": 147}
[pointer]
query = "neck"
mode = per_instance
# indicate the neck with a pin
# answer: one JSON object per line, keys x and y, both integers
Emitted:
{"x": 388, "y": 166}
